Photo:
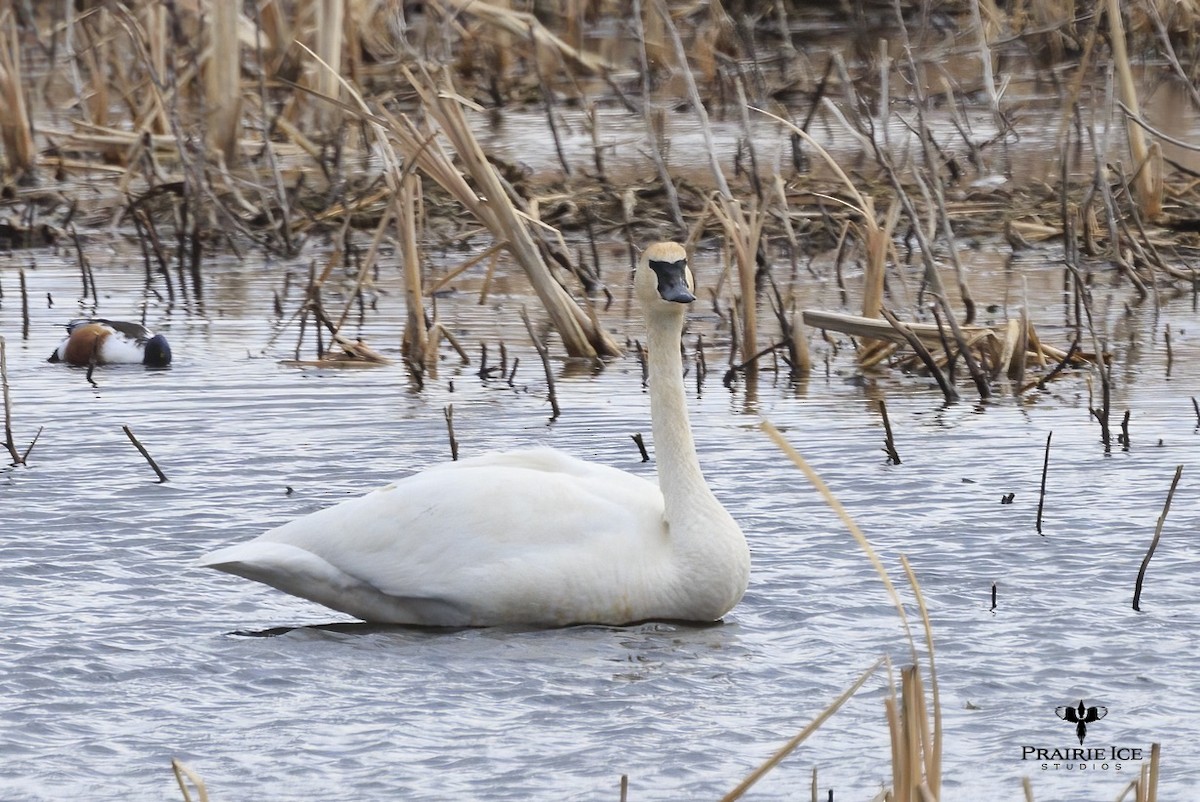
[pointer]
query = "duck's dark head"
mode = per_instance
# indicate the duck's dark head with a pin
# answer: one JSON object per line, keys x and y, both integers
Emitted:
{"x": 157, "y": 352}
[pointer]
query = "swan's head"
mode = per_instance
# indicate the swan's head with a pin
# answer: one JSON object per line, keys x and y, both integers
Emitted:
{"x": 663, "y": 276}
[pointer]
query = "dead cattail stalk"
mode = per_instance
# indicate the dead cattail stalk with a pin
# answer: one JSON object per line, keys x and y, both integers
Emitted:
{"x": 1196, "y": 407}
{"x": 545, "y": 355}
{"x": 223, "y": 95}
{"x": 641, "y": 444}
{"x": 994, "y": 590}
{"x": 1042, "y": 493}
{"x": 1148, "y": 183}
{"x": 162, "y": 477}
{"x": 330, "y": 14}
{"x": 931, "y": 742}
{"x": 889, "y": 444}
{"x": 415, "y": 344}
{"x": 24, "y": 304}
{"x": 8, "y": 435}
{"x": 1137, "y": 586}
{"x": 1166, "y": 339}
{"x": 448, "y": 412}
{"x": 16, "y": 130}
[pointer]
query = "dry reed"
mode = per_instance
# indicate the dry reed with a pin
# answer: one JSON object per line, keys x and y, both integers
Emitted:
{"x": 16, "y": 128}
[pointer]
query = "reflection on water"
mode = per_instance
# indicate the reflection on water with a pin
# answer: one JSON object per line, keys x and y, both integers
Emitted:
{"x": 118, "y": 654}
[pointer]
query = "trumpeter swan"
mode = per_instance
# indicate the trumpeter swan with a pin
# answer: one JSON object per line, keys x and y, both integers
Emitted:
{"x": 103, "y": 342}
{"x": 533, "y": 537}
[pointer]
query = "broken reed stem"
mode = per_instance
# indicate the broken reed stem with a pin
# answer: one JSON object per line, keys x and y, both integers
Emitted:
{"x": 641, "y": 444}
{"x": 1196, "y": 406}
{"x": 8, "y": 435}
{"x": 914, "y": 341}
{"x": 545, "y": 355}
{"x": 448, "y": 412}
{"x": 1137, "y": 587}
{"x": 162, "y": 477}
{"x": 994, "y": 586}
{"x": 889, "y": 444}
{"x": 788, "y": 747}
{"x": 1042, "y": 494}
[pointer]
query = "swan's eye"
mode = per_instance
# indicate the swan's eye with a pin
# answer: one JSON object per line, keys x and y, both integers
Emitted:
{"x": 674, "y": 280}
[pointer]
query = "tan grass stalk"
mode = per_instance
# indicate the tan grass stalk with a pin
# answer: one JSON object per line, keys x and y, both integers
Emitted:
{"x": 416, "y": 337}
{"x": 799, "y": 738}
{"x": 932, "y": 755}
{"x": 916, "y": 741}
{"x": 1148, "y": 181}
{"x": 743, "y": 232}
{"x": 847, "y": 521}
{"x": 329, "y": 18}
{"x": 222, "y": 80}
{"x": 183, "y": 776}
{"x": 16, "y": 129}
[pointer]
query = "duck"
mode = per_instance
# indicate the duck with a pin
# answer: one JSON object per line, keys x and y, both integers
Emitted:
{"x": 533, "y": 537}
{"x": 106, "y": 342}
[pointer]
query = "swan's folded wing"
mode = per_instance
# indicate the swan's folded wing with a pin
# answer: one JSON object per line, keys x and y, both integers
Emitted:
{"x": 486, "y": 528}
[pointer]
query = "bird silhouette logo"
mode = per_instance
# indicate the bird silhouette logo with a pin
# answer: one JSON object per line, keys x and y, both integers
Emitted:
{"x": 1081, "y": 717}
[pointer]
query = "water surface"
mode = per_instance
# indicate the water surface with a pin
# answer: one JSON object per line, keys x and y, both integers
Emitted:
{"x": 118, "y": 655}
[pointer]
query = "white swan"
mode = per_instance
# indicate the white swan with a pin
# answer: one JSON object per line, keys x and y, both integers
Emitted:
{"x": 532, "y": 537}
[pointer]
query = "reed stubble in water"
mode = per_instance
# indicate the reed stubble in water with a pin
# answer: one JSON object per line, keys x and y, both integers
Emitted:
{"x": 1137, "y": 586}
{"x": 1042, "y": 492}
{"x": 162, "y": 477}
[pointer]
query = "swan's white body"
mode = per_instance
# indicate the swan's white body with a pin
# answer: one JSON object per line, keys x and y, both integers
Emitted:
{"x": 533, "y": 537}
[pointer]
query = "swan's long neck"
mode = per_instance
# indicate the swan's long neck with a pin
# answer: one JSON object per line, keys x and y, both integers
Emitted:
{"x": 679, "y": 475}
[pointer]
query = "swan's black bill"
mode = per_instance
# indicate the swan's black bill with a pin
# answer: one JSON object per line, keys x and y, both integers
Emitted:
{"x": 672, "y": 281}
